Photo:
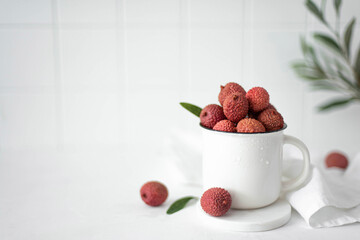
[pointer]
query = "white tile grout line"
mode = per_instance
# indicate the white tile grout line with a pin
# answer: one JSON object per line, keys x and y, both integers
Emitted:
{"x": 57, "y": 72}
{"x": 251, "y": 47}
{"x": 184, "y": 47}
{"x": 122, "y": 59}
{"x": 189, "y": 55}
{"x": 144, "y": 25}
{"x": 118, "y": 64}
{"x": 242, "y": 74}
{"x": 303, "y": 118}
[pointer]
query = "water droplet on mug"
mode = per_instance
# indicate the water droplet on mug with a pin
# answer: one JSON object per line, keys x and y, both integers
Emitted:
{"x": 261, "y": 148}
{"x": 261, "y": 159}
{"x": 267, "y": 162}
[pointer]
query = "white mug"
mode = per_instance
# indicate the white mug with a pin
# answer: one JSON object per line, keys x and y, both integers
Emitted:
{"x": 249, "y": 165}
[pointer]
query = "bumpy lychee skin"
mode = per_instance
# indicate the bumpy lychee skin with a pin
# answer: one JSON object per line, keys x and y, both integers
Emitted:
{"x": 250, "y": 125}
{"x": 252, "y": 114}
{"x": 216, "y": 201}
{"x": 336, "y": 159}
{"x": 153, "y": 193}
{"x": 258, "y": 99}
{"x": 229, "y": 88}
{"x": 210, "y": 115}
{"x": 236, "y": 107}
{"x": 271, "y": 119}
{"x": 225, "y": 126}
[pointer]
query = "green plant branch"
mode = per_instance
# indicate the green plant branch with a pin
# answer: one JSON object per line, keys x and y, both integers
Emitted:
{"x": 333, "y": 72}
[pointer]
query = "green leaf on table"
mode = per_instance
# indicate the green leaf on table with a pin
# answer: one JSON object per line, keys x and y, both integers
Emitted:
{"x": 347, "y": 36}
{"x": 335, "y": 103}
{"x": 311, "y": 6}
{"x": 191, "y": 108}
{"x": 327, "y": 41}
{"x": 337, "y": 4}
{"x": 179, "y": 204}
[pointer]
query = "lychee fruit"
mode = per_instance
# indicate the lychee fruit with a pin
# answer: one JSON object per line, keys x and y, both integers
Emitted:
{"x": 229, "y": 88}
{"x": 336, "y": 159}
{"x": 225, "y": 126}
{"x": 236, "y": 107}
{"x": 153, "y": 193}
{"x": 216, "y": 201}
{"x": 252, "y": 114}
{"x": 271, "y": 119}
{"x": 250, "y": 125}
{"x": 258, "y": 99}
{"x": 210, "y": 115}
{"x": 271, "y": 106}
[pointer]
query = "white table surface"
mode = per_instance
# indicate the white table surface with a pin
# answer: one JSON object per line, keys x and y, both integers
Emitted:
{"x": 95, "y": 195}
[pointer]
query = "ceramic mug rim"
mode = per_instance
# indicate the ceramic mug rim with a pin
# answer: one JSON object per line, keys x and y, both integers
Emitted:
{"x": 241, "y": 133}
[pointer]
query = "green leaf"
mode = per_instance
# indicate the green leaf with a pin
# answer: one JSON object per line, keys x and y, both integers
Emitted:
{"x": 315, "y": 59}
{"x": 335, "y": 103}
{"x": 324, "y": 87}
{"x": 314, "y": 9}
{"x": 304, "y": 46}
{"x": 191, "y": 108}
{"x": 345, "y": 79}
{"x": 307, "y": 72}
{"x": 357, "y": 67}
{"x": 179, "y": 204}
{"x": 323, "y": 6}
{"x": 337, "y": 4}
{"x": 347, "y": 36}
{"x": 327, "y": 41}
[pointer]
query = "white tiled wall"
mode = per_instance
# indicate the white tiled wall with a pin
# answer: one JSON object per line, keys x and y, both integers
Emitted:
{"x": 105, "y": 73}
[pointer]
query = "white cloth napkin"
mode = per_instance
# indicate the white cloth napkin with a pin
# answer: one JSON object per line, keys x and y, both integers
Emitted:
{"x": 332, "y": 196}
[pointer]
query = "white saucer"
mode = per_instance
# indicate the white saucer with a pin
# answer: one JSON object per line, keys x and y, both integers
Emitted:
{"x": 261, "y": 219}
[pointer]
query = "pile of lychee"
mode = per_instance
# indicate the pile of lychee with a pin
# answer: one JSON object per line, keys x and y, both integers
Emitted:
{"x": 241, "y": 111}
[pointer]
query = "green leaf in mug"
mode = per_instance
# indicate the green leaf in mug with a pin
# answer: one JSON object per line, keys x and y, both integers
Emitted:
{"x": 191, "y": 108}
{"x": 179, "y": 204}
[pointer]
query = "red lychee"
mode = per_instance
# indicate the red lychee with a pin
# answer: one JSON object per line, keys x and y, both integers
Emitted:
{"x": 250, "y": 125}
{"x": 336, "y": 159}
{"x": 153, "y": 193}
{"x": 252, "y": 114}
{"x": 236, "y": 107}
{"x": 225, "y": 126}
{"x": 210, "y": 115}
{"x": 229, "y": 88}
{"x": 271, "y": 119}
{"x": 216, "y": 201}
{"x": 258, "y": 99}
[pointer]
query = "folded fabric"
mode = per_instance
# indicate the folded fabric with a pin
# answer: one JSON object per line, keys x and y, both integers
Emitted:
{"x": 332, "y": 196}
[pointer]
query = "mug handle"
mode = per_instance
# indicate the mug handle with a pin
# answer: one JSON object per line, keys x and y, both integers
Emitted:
{"x": 299, "y": 180}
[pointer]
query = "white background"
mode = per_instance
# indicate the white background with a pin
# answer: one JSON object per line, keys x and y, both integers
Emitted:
{"x": 106, "y": 76}
{"x": 100, "y": 74}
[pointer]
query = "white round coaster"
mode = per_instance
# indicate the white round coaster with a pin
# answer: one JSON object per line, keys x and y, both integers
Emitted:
{"x": 261, "y": 219}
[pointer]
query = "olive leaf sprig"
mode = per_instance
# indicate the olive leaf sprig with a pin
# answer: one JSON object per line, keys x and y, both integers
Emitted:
{"x": 329, "y": 67}
{"x": 179, "y": 204}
